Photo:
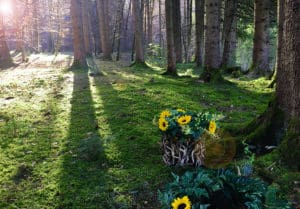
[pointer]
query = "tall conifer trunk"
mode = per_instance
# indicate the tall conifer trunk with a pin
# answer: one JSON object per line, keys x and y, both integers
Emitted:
{"x": 138, "y": 31}
{"x": 171, "y": 57}
{"x": 199, "y": 5}
{"x": 260, "y": 57}
{"x": 78, "y": 41}
{"x": 106, "y": 46}
{"x": 4, "y": 51}
{"x": 177, "y": 30}
{"x": 229, "y": 33}
{"x": 212, "y": 57}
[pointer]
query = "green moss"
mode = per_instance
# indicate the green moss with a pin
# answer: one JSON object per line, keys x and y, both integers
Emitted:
{"x": 92, "y": 142}
{"x": 267, "y": 129}
{"x": 290, "y": 150}
{"x": 139, "y": 65}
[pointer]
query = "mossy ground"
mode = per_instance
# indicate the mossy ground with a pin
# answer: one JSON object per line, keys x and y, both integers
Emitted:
{"x": 72, "y": 140}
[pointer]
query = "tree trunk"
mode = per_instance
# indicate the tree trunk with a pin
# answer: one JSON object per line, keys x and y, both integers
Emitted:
{"x": 280, "y": 124}
{"x": 120, "y": 23}
{"x": 260, "y": 57}
{"x": 199, "y": 5}
{"x": 35, "y": 26}
{"x": 5, "y": 59}
{"x": 149, "y": 9}
{"x": 177, "y": 30}
{"x": 160, "y": 28}
{"x": 138, "y": 32}
{"x": 229, "y": 33}
{"x": 86, "y": 27}
{"x": 78, "y": 41}
{"x": 288, "y": 75}
{"x": 211, "y": 73}
{"x": 288, "y": 81}
{"x": 212, "y": 34}
{"x": 127, "y": 21}
{"x": 187, "y": 29}
{"x": 104, "y": 29}
{"x": 171, "y": 69}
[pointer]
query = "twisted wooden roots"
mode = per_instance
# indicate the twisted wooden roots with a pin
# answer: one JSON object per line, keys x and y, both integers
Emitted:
{"x": 182, "y": 153}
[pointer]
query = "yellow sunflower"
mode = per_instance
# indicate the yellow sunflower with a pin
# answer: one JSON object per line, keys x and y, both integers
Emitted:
{"x": 212, "y": 127}
{"x": 163, "y": 124}
{"x": 185, "y": 119}
{"x": 165, "y": 113}
{"x": 181, "y": 203}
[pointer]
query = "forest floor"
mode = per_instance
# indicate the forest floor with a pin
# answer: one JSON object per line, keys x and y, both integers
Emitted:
{"x": 84, "y": 139}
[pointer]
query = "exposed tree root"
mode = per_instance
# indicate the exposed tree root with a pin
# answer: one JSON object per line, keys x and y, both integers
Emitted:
{"x": 182, "y": 153}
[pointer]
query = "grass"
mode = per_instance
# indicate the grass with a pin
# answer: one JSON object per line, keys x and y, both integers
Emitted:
{"x": 70, "y": 140}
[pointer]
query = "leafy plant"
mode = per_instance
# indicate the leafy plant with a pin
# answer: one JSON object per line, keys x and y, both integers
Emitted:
{"x": 219, "y": 189}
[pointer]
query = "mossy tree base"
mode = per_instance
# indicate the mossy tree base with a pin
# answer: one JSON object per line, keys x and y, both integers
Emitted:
{"x": 255, "y": 72}
{"x": 211, "y": 75}
{"x": 77, "y": 65}
{"x": 270, "y": 129}
{"x": 289, "y": 150}
{"x": 138, "y": 64}
{"x": 267, "y": 129}
{"x": 170, "y": 73}
{"x": 7, "y": 63}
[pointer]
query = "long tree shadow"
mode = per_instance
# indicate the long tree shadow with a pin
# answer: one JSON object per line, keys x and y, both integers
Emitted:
{"x": 137, "y": 165}
{"x": 82, "y": 176}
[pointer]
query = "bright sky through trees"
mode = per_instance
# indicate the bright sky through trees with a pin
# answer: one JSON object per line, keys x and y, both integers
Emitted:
{"x": 5, "y": 7}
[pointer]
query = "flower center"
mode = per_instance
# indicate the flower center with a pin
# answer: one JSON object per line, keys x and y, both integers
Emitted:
{"x": 164, "y": 124}
{"x": 182, "y": 206}
{"x": 184, "y": 121}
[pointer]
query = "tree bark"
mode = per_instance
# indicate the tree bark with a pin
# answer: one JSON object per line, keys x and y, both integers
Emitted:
{"x": 280, "y": 124}
{"x": 149, "y": 9}
{"x": 229, "y": 33}
{"x": 288, "y": 82}
{"x": 169, "y": 9}
{"x": 160, "y": 28}
{"x": 199, "y": 5}
{"x": 104, "y": 29}
{"x": 177, "y": 30}
{"x": 187, "y": 29}
{"x": 138, "y": 31}
{"x": 79, "y": 52}
{"x": 4, "y": 51}
{"x": 288, "y": 75}
{"x": 212, "y": 34}
{"x": 86, "y": 27}
{"x": 35, "y": 26}
{"x": 260, "y": 57}
{"x": 120, "y": 23}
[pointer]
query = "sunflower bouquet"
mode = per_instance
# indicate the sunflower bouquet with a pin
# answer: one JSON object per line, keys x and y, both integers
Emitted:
{"x": 185, "y": 125}
{"x": 182, "y": 133}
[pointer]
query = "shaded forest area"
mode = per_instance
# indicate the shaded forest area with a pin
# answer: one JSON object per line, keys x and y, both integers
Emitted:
{"x": 146, "y": 104}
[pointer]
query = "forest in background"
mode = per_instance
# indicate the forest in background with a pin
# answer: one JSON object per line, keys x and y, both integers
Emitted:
{"x": 45, "y": 26}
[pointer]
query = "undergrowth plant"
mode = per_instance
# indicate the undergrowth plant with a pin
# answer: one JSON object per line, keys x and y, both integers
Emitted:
{"x": 212, "y": 189}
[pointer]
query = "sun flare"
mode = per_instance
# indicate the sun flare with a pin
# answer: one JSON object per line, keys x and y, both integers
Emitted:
{"x": 5, "y": 7}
